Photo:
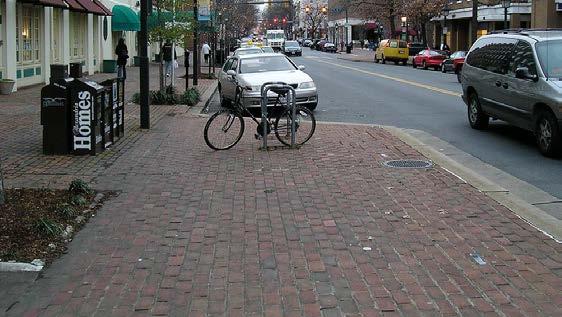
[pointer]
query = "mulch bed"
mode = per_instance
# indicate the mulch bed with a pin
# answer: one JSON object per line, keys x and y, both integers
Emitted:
{"x": 39, "y": 223}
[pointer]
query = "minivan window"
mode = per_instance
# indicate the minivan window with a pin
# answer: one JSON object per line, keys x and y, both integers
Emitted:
{"x": 393, "y": 44}
{"x": 492, "y": 54}
{"x": 550, "y": 58}
{"x": 402, "y": 44}
{"x": 523, "y": 57}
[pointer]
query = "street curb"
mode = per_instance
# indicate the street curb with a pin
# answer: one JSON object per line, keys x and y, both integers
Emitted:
{"x": 19, "y": 267}
{"x": 538, "y": 218}
{"x": 205, "y": 99}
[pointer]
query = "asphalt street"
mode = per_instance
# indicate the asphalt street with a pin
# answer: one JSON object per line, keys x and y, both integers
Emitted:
{"x": 426, "y": 100}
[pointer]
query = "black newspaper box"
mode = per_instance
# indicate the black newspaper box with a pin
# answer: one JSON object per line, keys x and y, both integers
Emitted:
{"x": 86, "y": 101}
{"x": 55, "y": 117}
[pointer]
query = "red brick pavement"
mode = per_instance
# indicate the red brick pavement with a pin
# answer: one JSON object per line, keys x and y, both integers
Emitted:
{"x": 251, "y": 233}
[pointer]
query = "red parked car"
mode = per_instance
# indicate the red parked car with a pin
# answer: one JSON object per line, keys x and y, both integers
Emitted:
{"x": 429, "y": 58}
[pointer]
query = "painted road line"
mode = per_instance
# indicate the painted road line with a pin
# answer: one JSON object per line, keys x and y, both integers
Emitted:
{"x": 400, "y": 80}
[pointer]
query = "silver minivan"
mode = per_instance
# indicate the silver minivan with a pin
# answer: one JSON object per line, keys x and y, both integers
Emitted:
{"x": 516, "y": 76}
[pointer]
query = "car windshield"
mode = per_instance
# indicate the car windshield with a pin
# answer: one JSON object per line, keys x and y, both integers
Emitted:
{"x": 265, "y": 64}
{"x": 249, "y": 51}
{"x": 550, "y": 58}
{"x": 276, "y": 36}
{"x": 434, "y": 53}
{"x": 291, "y": 44}
{"x": 268, "y": 49}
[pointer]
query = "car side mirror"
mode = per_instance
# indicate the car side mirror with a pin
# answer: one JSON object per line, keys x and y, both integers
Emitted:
{"x": 523, "y": 73}
{"x": 302, "y": 67}
{"x": 231, "y": 73}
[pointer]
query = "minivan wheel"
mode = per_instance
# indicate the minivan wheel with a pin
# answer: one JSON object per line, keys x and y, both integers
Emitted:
{"x": 476, "y": 117}
{"x": 547, "y": 134}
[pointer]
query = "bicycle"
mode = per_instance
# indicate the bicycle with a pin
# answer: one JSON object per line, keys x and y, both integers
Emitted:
{"x": 228, "y": 124}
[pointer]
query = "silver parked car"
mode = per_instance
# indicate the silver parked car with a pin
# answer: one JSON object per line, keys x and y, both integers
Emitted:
{"x": 252, "y": 71}
{"x": 516, "y": 76}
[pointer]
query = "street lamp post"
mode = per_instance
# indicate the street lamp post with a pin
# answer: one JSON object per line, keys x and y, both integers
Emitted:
{"x": 505, "y": 4}
{"x": 144, "y": 70}
{"x": 445, "y": 14}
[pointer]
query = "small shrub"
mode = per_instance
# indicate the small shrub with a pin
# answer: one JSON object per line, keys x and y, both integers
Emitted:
{"x": 48, "y": 227}
{"x": 190, "y": 97}
{"x": 79, "y": 187}
{"x": 171, "y": 97}
{"x": 78, "y": 200}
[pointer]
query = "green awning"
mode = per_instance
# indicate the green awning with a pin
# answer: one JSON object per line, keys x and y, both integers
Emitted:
{"x": 124, "y": 19}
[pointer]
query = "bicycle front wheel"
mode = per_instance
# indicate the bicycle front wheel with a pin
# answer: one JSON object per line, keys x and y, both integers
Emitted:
{"x": 305, "y": 125}
{"x": 224, "y": 129}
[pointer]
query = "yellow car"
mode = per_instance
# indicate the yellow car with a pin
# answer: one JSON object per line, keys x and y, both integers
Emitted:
{"x": 392, "y": 50}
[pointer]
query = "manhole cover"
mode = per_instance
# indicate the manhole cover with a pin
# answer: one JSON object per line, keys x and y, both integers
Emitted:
{"x": 408, "y": 164}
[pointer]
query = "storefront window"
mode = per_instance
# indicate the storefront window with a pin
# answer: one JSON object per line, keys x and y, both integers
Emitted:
{"x": 77, "y": 35}
{"x": 28, "y": 39}
{"x": 55, "y": 35}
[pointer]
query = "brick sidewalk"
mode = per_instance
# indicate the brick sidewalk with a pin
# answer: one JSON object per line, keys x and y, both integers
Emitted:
{"x": 21, "y": 145}
{"x": 250, "y": 233}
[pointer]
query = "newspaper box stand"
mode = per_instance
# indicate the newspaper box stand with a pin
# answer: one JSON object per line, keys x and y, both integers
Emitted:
{"x": 55, "y": 117}
{"x": 106, "y": 123}
{"x": 115, "y": 100}
{"x": 86, "y": 101}
{"x": 121, "y": 106}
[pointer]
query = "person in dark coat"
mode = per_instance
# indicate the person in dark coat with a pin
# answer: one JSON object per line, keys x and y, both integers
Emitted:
{"x": 169, "y": 56}
{"x": 122, "y": 56}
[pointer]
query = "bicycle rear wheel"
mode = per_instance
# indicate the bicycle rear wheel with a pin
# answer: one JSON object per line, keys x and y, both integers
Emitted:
{"x": 305, "y": 125}
{"x": 224, "y": 129}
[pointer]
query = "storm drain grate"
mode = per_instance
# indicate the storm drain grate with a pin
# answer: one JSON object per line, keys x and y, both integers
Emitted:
{"x": 408, "y": 164}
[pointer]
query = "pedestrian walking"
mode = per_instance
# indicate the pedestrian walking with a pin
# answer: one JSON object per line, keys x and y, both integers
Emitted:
{"x": 169, "y": 57}
{"x": 362, "y": 42}
{"x": 341, "y": 46}
{"x": 206, "y": 50}
{"x": 122, "y": 56}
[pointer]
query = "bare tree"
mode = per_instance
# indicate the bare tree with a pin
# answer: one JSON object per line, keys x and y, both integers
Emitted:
{"x": 420, "y": 12}
{"x": 385, "y": 10}
{"x": 242, "y": 18}
{"x": 314, "y": 16}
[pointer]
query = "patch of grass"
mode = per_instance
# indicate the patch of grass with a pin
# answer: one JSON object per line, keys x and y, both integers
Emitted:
{"x": 48, "y": 227}
{"x": 79, "y": 187}
{"x": 78, "y": 200}
{"x": 65, "y": 210}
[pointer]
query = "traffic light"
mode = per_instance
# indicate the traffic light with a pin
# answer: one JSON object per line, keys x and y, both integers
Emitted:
{"x": 284, "y": 20}
{"x": 275, "y": 20}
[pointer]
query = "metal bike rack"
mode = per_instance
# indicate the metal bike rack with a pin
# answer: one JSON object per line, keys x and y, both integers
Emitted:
{"x": 291, "y": 99}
